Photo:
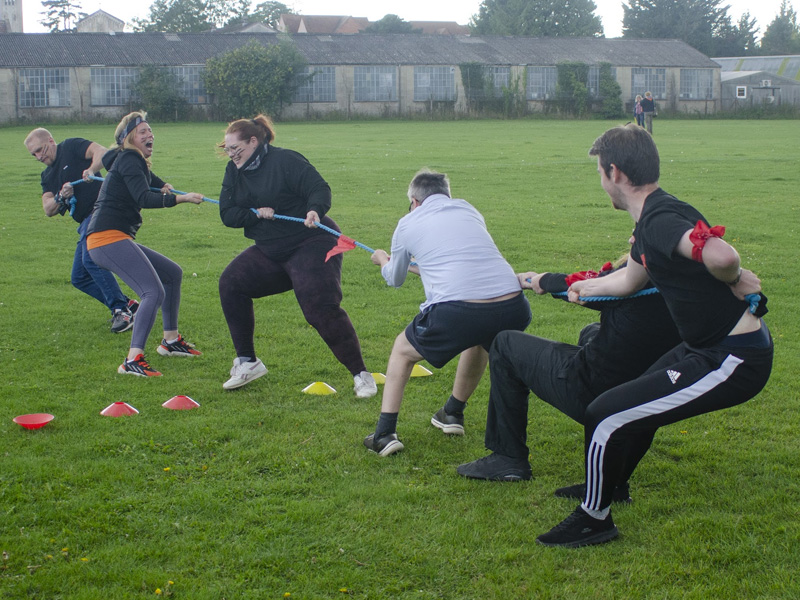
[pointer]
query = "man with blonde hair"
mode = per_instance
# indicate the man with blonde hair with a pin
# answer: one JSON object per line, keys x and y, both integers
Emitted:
{"x": 72, "y": 160}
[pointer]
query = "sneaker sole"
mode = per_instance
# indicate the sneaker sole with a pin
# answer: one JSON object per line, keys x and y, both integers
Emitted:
{"x": 448, "y": 428}
{"x": 391, "y": 448}
{"x": 598, "y": 538}
{"x": 164, "y": 352}
{"x": 510, "y": 477}
{"x": 130, "y": 324}
{"x": 226, "y": 386}
{"x": 123, "y": 371}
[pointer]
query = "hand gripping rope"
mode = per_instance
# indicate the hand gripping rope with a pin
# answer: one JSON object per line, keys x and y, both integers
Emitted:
{"x": 345, "y": 243}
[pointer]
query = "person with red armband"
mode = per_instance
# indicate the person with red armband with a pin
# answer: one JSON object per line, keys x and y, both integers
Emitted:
{"x": 726, "y": 355}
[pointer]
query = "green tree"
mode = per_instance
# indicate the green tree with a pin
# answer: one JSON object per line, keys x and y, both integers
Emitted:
{"x": 736, "y": 40}
{"x": 268, "y": 13}
{"x": 572, "y": 91}
{"x": 539, "y": 18}
{"x": 391, "y": 24}
{"x": 610, "y": 94}
{"x": 782, "y": 35}
{"x": 696, "y": 22}
{"x": 254, "y": 79}
{"x": 156, "y": 91}
{"x": 175, "y": 16}
{"x": 61, "y": 15}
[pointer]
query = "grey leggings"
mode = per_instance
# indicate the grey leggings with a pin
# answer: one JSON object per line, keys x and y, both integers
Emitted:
{"x": 154, "y": 278}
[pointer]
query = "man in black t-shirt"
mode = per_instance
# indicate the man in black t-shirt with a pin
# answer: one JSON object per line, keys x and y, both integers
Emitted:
{"x": 726, "y": 354}
{"x": 73, "y": 160}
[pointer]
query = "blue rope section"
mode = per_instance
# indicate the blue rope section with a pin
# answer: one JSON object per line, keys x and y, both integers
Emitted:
{"x": 644, "y": 292}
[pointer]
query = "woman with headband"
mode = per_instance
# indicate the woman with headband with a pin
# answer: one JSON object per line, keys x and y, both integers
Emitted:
{"x": 115, "y": 221}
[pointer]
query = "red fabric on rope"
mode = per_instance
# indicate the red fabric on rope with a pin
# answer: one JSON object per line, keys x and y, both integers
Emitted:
{"x": 343, "y": 245}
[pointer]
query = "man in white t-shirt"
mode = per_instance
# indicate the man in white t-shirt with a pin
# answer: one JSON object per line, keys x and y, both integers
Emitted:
{"x": 471, "y": 295}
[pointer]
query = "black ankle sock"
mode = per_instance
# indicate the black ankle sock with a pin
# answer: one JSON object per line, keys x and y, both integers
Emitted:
{"x": 454, "y": 406}
{"x": 387, "y": 423}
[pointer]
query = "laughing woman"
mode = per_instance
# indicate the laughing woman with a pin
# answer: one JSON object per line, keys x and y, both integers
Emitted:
{"x": 115, "y": 221}
{"x": 286, "y": 256}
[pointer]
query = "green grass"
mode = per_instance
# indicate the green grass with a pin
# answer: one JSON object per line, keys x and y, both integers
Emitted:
{"x": 266, "y": 491}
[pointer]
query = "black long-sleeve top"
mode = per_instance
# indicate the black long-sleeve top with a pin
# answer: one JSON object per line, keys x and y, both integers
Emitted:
{"x": 633, "y": 334}
{"x": 125, "y": 192}
{"x": 277, "y": 178}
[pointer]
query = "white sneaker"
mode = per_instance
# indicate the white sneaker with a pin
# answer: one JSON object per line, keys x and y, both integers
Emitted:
{"x": 243, "y": 373}
{"x": 364, "y": 385}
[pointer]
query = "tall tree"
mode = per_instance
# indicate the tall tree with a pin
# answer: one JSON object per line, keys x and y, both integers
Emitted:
{"x": 268, "y": 13}
{"x": 696, "y": 22}
{"x": 539, "y": 18}
{"x": 782, "y": 36}
{"x": 391, "y": 24}
{"x": 61, "y": 15}
{"x": 175, "y": 16}
{"x": 254, "y": 79}
{"x": 738, "y": 39}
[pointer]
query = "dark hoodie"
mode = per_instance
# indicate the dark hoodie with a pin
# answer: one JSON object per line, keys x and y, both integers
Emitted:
{"x": 125, "y": 192}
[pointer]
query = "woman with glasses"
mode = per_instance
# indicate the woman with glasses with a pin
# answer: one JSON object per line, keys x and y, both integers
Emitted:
{"x": 286, "y": 255}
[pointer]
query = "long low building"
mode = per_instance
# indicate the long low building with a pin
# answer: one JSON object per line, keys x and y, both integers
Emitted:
{"x": 89, "y": 75}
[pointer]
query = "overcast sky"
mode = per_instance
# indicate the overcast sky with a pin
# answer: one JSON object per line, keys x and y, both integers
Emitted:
{"x": 610, "y": 11}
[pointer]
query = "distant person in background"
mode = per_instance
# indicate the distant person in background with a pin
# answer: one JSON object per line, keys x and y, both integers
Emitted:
{"x": 638, "y": 111}
{"x": 649, "y": 109}
{"x": 115, "y": 221}
{"x": 72, "y": 160}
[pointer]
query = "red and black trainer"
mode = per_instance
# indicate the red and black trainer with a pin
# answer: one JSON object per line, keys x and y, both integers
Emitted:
{"x": 179, "y": 347}
{"x": 137, "y": 366}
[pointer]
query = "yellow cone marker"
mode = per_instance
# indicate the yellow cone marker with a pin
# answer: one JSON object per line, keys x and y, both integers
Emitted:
{"x": 379, "y": 377}
{"x": 420, "y": 371}
{"x": 320, "y": 388}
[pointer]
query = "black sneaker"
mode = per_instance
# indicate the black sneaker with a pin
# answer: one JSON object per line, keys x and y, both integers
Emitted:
{"x": 497, "y": 467}
{"x": 449, "y": 424}
{"x": 133, "y": 306}
{"x": 121, "y": 321}
{"x": 580, "y": 529}
{"x": 385, "y": 445}
{"x": 578, "y": 492}
{"x": 179, "y": 347}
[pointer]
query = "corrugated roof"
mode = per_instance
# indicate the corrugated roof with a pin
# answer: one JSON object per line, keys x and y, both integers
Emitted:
{"x": 785, "y": 66}
{"x": 135, "y": 49}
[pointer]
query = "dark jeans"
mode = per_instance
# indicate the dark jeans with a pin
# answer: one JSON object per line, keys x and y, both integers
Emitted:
{"x": 95, "y": 281}
{"x": 316, "y": 285}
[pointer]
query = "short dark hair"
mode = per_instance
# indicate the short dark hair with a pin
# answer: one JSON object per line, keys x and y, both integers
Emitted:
{"x": 632, "y": 150}
{"x": 427, "y": 183}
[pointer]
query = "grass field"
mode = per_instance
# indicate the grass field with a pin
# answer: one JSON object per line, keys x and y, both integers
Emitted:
{"x": 267, "y": 492}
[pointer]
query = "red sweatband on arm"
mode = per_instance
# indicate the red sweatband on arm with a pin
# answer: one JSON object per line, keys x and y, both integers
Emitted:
{"x": 700, "y": 235}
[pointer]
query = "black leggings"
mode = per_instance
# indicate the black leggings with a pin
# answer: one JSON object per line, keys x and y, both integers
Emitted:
{"x": 316, "y": 285}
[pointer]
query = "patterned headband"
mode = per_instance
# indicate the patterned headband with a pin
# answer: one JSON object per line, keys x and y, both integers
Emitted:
{"x": 132, "y": 124}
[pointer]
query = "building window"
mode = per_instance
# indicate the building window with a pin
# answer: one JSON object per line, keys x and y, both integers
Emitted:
{"x": 375, "y": 84}
{"x": 320, "y": 87}
{"x": 741, "y": 91}
{"x": 649, "y": 80}
{"x": 112, "y": 86}
{"x": 541, "y": 82}
{"x": 190, "y": 83}
{"x": 43, "y": 87}
{"x": 697, "y": 84}
{"x": 500, "y": 77}
{"x": 434, "y": 83}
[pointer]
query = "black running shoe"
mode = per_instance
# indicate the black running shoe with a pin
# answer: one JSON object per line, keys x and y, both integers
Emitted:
{"x": 121, "y": 321}
{"x": 578, "y": 492}
{"x": 133, "y": 306}
{"x": 179, "y": 347}
{"x": 449, "y": 424}
{"x": 580, "y": 529}
{"x": 137, "y": 366}
{"x": 385, "y": 445}
{"x": 497, "y": 467}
